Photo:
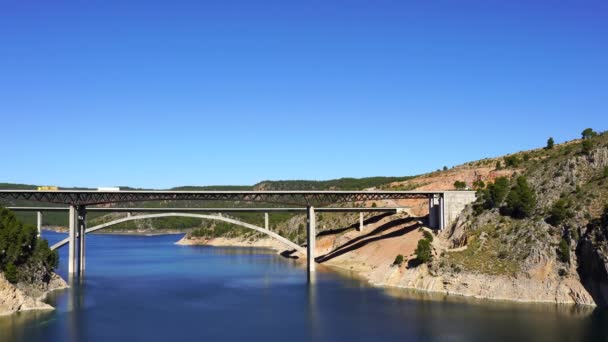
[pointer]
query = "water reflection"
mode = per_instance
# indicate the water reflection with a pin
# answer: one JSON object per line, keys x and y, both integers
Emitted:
{"x": 313, "y": 315}
{"x": 75, "y": 306}
{"x": 9, "y": 330}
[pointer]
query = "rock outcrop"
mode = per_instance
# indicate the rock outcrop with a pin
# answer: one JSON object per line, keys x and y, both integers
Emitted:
{"x": 15, "y": 298}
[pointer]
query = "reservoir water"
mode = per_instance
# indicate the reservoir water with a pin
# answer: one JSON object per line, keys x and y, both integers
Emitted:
{"x": 148, "y": 289}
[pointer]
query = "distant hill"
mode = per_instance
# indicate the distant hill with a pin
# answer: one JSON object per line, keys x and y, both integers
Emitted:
{"x": 345, "y": 184}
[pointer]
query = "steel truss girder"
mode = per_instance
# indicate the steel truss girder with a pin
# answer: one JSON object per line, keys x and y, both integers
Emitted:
{"x": 304, "y": 198}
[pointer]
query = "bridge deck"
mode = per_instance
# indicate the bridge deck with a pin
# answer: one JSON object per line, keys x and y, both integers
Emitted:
{"x": 211, "y": 210}
{"x": 90, "y": 197}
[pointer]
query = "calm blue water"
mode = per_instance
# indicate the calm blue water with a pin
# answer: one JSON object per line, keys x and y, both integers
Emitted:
{"x": 148, "y": 289}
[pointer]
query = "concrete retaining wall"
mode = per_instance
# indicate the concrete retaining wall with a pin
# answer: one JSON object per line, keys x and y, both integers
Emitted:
{"x": 455, "y": 201}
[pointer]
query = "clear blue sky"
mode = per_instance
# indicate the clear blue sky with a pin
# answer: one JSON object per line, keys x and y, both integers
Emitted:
{"x": 166, "y": 93}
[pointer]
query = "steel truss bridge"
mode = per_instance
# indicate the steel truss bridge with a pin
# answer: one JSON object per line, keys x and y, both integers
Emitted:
{"x": 304, "y": 198}
{"x": 78, "y": 200}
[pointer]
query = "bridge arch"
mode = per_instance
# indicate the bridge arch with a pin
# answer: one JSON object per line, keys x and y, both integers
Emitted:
{"x": 265, "y": 231}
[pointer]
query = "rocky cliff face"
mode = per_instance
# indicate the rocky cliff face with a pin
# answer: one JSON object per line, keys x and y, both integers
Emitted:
{"x": 26, "y": 297}
{"x": 571, "y": 249}
{"x": 592, "y": 254}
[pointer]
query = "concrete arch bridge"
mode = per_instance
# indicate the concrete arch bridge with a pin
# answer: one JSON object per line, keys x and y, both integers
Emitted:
{"x": 263, "y": 230}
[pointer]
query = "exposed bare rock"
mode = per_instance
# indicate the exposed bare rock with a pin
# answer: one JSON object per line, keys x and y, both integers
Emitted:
{"x": 14, "y": 298}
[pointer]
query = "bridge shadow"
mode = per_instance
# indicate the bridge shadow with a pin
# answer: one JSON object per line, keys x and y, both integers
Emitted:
{"x": 372, "y": 236}
{"x": 370, "y": 220}
{"x": 289, "y": 254}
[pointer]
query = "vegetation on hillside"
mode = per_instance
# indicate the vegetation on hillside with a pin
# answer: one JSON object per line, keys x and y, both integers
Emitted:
{"x": 398, "y": 260}
{"x": 21, "y": 251}
{"x": 222, "y": 229}
{"x": 552, "y": 205}
{"x": 460, "y": 185}
{"x": 424, "y": 251}
{"x": 345, "y": 184}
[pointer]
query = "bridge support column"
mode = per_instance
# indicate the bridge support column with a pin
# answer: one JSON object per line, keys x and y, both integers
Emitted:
{"x": 39, "y": 222}
{"x": 311, "y": 234}
{"x": 361, "y": 221}
{"x": 266, "y": 221}
{"x": 433, "y": 208}
{"x": 436, "y": 212}
{"x": 72, "y": 241}
{"x": 441, "y": 212}
{"x": 82, "y": 225}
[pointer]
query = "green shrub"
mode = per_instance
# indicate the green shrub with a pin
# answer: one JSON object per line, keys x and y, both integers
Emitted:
{"x": 558, "y": 212}
{"x": 512, "y": 161}
{"x": 587, "y": 146}
{"x": 423, "y": 251}
{"x": 495, "y": 193}
{"x": 428, "y": 235}
{"x": 398, "y": 260}
{"x": 460, "y": 185}
{"x": 550, "y": 143}
{"x": 10, "y": 272}
{"x": 588, "y": 133}
{"x": 563, "y": 251}
{"x": 521, "y": 200}
{"x": 477, "y": 209}
{"x": 479, "y": 185}
{"x": 606, "y": 172}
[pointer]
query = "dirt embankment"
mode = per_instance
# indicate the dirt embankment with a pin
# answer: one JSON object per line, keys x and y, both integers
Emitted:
{"x": 371, "y": 254}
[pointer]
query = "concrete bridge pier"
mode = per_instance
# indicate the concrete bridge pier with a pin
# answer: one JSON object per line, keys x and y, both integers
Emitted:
{"x": 82, "y": 226}
{"x": 76, "y": 239}
{"x": 311, "y": 234}
{"x": 436, "y": 212}
{"x": 266, "y": 221}
{"x": 72, "y": 240}
{"x": 39, "y": 222}
{"x": 361, "y": 221}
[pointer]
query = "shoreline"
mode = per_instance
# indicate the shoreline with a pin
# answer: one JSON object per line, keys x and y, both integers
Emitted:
{"x": 127, "y": 232}
{"x": 390, "y": 289}
{"x": 16, "y": 299}
{"x": 448, "y": 295}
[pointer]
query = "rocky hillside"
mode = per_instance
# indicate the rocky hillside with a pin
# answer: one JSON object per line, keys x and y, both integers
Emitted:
{"x": 546, "y": 223}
